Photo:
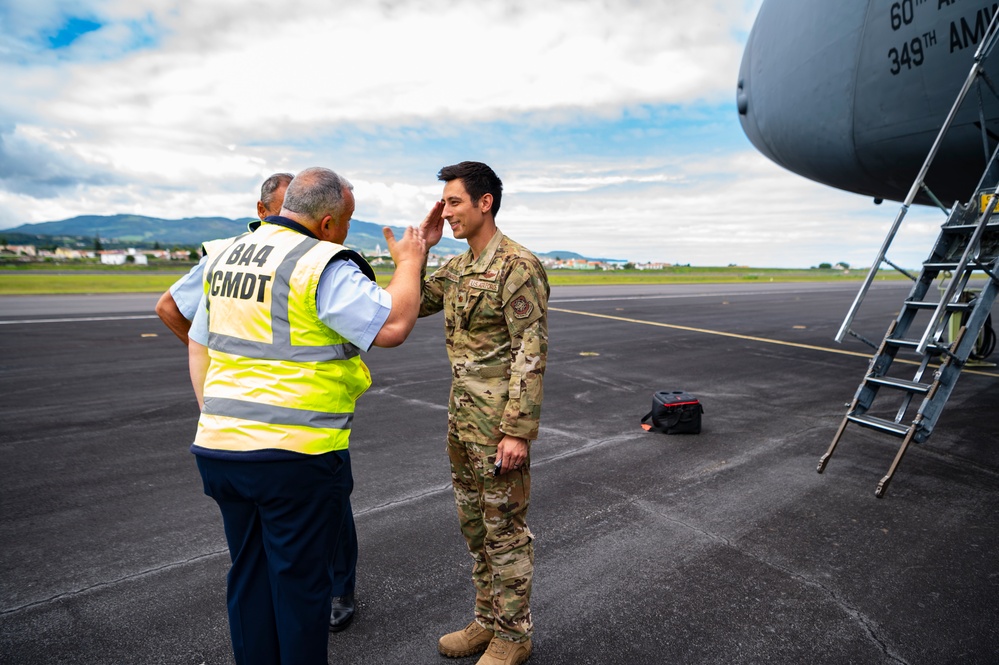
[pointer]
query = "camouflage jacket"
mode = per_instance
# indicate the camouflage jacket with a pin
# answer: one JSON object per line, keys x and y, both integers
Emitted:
{"x": 496, "y": 323}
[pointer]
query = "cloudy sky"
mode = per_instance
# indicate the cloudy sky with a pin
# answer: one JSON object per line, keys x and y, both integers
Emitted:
{"x": 611, "y": 122}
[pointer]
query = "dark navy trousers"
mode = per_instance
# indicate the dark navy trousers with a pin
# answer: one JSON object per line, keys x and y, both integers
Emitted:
{"x": 343, "y": 569}
{"x": 282, "y": 520}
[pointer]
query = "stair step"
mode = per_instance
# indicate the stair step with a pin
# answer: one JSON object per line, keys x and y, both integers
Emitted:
{"x": 880, "y": 424}
{"x": 976, "y": 265}
{"x": 951, "y": 307}
{"x": 901, "y": 384}
{"x": 970, "y": 228}
{"x": 913, "y": 343}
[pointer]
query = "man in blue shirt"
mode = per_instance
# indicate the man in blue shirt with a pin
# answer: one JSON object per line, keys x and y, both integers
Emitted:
{"x": 271, "y": 450}
{"x": 177, "y": 308}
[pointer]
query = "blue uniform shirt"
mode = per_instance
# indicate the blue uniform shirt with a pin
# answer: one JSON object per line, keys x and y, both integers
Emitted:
{"x": 189, "y": 289}
{"x": 347, "y": 301}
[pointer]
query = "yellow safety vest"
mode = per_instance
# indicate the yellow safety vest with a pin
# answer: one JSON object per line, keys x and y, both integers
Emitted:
{"x": 211, "y": 247}
{"x": 279, "y": 378}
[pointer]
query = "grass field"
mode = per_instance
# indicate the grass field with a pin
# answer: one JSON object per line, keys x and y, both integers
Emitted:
{"x": 156, "y": 280}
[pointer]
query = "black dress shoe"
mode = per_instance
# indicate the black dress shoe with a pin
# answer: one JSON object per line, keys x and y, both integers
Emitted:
{"x": 342, "y": 612}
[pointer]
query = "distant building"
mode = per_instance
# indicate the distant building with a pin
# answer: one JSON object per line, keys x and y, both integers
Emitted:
{"x": 68, "y": 253}
{"x": 437, "y": 260}
{"x": 20, "y": 250}
{"x": 118, "y": 257}
{"x": 581, "y": 264}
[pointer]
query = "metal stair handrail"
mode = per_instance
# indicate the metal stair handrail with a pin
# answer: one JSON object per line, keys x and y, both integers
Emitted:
{"x": 935, "y": 325}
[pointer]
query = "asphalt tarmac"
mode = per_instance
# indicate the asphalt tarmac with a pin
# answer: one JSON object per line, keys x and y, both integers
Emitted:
{"x": 721, "y": 547}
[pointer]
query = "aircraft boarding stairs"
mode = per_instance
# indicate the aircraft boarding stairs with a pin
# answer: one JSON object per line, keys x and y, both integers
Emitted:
{"x": 968, "y": 243}
{"x": 891, "y": 399}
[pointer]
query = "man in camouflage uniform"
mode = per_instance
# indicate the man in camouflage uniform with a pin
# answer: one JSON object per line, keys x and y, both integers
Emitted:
{"x": 495, "y": 302}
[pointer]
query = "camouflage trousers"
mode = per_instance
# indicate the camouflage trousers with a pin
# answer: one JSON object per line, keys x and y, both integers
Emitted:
{"x": 492, "y": 513}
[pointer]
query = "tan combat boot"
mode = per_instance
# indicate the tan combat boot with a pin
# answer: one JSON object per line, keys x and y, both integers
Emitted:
{"x": 471, "y": 639}
{"x": 503, "y": 652}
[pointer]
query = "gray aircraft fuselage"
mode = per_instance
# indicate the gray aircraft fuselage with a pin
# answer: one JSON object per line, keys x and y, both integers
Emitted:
{"x": 852, "y": 93}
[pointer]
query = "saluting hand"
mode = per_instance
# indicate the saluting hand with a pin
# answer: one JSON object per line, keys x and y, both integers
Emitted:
{"x": 433, "y": 224}
{"x": 412, "y": 247}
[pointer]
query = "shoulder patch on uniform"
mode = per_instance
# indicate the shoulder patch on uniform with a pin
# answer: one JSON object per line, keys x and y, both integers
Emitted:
{"x": 522, "y": 307}
{"x": 522, "y": 272}
{"x": 485, "y": 286}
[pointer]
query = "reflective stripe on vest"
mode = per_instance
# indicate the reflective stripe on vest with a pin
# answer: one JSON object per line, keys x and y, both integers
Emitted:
{"x": 279, "y": 378}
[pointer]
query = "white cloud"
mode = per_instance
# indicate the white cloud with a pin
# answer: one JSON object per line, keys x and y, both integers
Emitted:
{"x": 229, "y": 73}
{"x": 181, "y": 108}
{"x": 239, "y": 70}
{"x": 733, "y": 209}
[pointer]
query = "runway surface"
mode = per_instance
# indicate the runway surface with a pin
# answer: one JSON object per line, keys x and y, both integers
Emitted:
{"x": 722, "y": 547}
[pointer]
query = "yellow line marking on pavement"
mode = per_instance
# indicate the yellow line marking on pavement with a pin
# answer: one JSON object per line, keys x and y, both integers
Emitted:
{"x": 750, "y": 338}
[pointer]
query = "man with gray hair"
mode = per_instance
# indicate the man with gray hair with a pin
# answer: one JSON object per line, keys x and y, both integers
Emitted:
{"x": 177, "y": 307}
{"x": 275, "y": 364}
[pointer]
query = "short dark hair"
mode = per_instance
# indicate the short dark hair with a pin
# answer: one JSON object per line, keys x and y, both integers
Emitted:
{"x": 478, "y": 179}
{"x": 271, "y": 185}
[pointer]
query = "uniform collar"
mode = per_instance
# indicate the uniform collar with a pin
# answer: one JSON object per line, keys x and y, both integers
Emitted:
{"x": 481, "y": 264}
{"x": 290, "y": 224}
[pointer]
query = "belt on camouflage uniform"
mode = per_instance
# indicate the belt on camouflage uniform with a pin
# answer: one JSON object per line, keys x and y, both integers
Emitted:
{"x": 482, "y": 371}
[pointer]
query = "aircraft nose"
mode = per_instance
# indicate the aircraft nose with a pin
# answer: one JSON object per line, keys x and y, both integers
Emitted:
{"x": 819, "y": 94}
{"x": 796, "y": 85}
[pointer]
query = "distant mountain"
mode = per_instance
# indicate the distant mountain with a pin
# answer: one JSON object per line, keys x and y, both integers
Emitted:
{"x": 139, "y": 231}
